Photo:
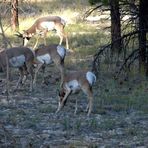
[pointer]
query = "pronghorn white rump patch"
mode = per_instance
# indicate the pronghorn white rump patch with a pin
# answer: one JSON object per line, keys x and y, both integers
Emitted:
{"x": 90, "y": 77}
{"x": 61, "y": 51}
{"x": 48, "y": 25}
{"x": 17, "y": 61}
{"x": 46, "y": 58}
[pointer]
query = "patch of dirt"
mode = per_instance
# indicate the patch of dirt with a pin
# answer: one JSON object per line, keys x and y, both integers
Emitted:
{"x": 29, "y": 120}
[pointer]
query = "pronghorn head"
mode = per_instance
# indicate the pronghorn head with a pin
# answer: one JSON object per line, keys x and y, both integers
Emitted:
{"x": 25, "y": 36}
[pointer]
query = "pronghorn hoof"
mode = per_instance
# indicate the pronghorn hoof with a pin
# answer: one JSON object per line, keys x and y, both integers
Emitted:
{"x": 69, "y": 51}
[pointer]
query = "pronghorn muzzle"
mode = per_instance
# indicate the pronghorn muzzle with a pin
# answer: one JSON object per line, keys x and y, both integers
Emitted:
{"x": 24, "y": 37}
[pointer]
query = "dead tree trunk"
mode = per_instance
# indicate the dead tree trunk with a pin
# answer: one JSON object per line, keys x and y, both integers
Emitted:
{"x": 14, "y": 12}
{"x": 115, "y": 26}
{"x": 143, "y": 29}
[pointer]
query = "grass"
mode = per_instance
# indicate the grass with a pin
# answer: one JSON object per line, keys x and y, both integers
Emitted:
{"x": 84, "y": 39}
{"x": 126, "y": 97}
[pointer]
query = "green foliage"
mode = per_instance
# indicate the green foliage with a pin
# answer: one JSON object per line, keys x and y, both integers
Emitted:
{"x": 93, "y": 2}
{"x": 104, "y": 2}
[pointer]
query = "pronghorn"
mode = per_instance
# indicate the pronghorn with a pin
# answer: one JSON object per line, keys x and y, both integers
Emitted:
{"x": 73, "y": 83}
{"x": 41, "y": 26}
{"x": 21, "y": 58}
{"x": 46, "y": 55}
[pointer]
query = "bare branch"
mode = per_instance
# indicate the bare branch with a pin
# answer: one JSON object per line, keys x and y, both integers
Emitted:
{"x": 88, "y": 12}
{"x": 5, "y": 39}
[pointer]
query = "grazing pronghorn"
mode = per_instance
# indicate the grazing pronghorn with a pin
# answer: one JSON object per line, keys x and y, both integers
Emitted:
{"x": 73, "y": 83}
{"x": 41, "y": 26}
{"x": 46, "y": 55}
{"x": 21, "y": 58}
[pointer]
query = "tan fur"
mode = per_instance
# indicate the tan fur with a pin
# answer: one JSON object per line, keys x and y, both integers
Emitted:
{"x": 55, "y": 57}
{"x": 36, "y": 28}
{"x": 80, "y": 77}
{"x": 25, "y": 68}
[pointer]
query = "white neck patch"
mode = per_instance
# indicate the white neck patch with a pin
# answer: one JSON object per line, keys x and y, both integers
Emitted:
{"x": 25, "y": 41}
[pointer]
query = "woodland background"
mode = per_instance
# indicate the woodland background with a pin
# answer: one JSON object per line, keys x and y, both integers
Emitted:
{"x": 107, "y": 36}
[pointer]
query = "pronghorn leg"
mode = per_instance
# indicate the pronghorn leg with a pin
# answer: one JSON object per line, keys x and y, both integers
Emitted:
{"x": 36, "y": 43}
{"x": 67, "y": 44}
{"x": 43, "y": 71}
{"x": 90, "y": 105}
{"x": 36, "y": 72}
{"x": 44, "y": 36}
{"x": 61, "y": 40}
{"x": 30, "y": 70}
{"x": 25, "y": 73}
{"x": 61, "y": 104}
{"x": 60, "y": 66}
{"x": 87, "y": 108}
{"x": 24, "y": 79}
{"x": 66, "y": 40}
{"x": 61, "y": 35}
{"x": 76, "y": 107}
{"x": 45, "y": 41}
{"x": 20, "y": 78}
{"x": 88, "y": 91}
{"x": 64, "y": 35}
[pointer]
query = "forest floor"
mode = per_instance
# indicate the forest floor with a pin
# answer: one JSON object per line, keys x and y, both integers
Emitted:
{"x": 120, "y": 109}
{"x": 29, "y": 119}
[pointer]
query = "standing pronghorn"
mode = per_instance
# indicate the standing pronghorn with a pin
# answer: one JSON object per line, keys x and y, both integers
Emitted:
{"x": 46, "y": 55}
{"x": 42, "y": 25}
{"x": 73, "y": 83}
{"x": 21, "y": 58}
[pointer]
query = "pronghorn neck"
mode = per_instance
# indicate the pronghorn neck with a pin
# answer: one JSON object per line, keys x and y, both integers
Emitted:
{"x": 31, "y": 30}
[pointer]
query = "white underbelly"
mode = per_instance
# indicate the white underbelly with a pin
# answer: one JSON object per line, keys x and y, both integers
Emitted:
{"x": 17, "y": 61}
{"x": 48, "y": 25}
{"x": 45, "y": 59}
{"x": 61, "y": 51}
{"x": 74, "y": 85}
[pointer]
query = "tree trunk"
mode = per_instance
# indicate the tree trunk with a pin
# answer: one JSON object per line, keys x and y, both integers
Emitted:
{"x": 115, "y": 26}
{"x": 143, "y": 28}
{"x": 14, "y": 12}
